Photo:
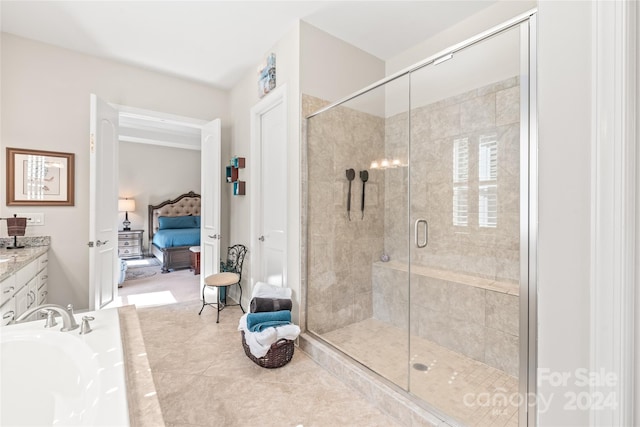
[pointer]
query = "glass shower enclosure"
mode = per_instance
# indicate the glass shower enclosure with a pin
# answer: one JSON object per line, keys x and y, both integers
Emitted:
{"x": 418, "y": 192}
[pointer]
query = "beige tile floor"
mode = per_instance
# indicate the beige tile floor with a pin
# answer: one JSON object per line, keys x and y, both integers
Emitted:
{"x": 203, "y": 377}
{"x": 456, "y": 385}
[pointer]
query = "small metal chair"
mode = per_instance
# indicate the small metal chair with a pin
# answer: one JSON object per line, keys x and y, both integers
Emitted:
{"x": 230, "y": 274}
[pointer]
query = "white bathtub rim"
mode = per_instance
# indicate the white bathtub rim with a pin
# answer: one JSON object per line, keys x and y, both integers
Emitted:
{"x": 104, "y": 345}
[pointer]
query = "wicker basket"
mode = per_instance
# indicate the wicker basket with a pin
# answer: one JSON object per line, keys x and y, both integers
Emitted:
{"x": 278, "y": 355}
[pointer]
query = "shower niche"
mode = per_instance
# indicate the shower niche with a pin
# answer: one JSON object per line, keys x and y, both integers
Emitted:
{"x": 425, "y": 289}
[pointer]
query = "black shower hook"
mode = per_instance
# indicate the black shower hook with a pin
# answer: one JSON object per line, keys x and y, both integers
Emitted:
{"x": 364, "y": 176}
{"x": 351, "y": 174}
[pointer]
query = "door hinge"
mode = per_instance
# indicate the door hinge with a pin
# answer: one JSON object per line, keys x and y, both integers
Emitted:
{"x": 90, "y": 244}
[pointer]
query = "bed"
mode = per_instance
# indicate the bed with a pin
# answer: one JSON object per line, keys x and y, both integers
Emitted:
{"x": 174, "y": 227}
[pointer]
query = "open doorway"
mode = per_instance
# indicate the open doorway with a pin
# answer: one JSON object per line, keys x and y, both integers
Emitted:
{"x": 160, "y": 157}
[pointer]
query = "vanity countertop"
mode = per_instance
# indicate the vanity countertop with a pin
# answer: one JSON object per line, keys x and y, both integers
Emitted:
{"x": 12, "y": 260}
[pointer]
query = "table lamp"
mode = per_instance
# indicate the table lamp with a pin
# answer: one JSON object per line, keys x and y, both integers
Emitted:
{"x": 126, "y": 206}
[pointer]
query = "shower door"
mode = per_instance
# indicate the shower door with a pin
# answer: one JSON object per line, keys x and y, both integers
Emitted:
{"x": 417, "y": 228}
{"x": 464, "y": 213}
{"x": 357, "y": 160}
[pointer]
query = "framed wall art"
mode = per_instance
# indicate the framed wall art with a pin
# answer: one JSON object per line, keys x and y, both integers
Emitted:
{"x": 267, "y": 76}
{"x": 40, "y": 178}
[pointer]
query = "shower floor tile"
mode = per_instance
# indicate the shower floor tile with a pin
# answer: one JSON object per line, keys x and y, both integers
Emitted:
{"x": 471, "y": 392}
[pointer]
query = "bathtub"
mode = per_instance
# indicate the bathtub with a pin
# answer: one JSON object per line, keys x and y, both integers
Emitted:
{"x": 63, "y": 378}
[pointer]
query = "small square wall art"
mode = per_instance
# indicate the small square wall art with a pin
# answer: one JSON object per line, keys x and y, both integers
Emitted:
{"x": 267, "y": 75}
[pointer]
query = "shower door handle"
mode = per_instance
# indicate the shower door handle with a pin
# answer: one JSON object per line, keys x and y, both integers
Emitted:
{"x": 422, "y": 244}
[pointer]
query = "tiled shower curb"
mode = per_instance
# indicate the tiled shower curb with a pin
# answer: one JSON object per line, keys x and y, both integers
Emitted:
{"x": 390, "y": 401}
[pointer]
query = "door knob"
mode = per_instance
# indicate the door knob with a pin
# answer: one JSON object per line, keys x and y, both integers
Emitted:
{"x": 261, "y": 238}
{"x": 99, "y": 243}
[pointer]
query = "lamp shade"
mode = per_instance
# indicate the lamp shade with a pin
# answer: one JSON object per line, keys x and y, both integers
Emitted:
{"x": 126, "y": 205}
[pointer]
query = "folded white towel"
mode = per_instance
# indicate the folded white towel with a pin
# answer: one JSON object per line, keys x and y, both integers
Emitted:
{"x": 242, "y": 324}
{"x": 264, "y": 290}
{"x": 287, "y": 332}
{"x": 260, "y": 342}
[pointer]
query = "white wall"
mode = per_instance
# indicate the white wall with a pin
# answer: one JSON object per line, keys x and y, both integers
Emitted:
{"x": 564, "y": 125}
{"x": 475, "y": 24}
{"x": 243, "y": 97}
{"x": 304, "y": 54}
{"x": 45, "y": 105}
{"x": 637, "y": 290}
{"x": 330, "y": 68}
{"x": 151, "y": 174}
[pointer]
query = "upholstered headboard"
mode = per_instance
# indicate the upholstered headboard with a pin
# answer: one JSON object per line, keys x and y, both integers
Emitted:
{"x": 183, "y": 205}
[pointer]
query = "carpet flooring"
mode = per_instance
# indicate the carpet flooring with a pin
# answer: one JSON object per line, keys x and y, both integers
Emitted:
{"x": 142, "y": 268}
{"x": 158, "y": 289}
{"x": 141, "y": 272}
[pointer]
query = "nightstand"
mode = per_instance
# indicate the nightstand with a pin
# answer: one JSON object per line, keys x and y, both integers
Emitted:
{"x": 130, "y": 244}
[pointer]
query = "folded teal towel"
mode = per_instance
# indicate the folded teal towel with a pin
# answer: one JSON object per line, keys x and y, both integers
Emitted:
{"x": 257, "y": 322}
{"x": 259, "y": 327}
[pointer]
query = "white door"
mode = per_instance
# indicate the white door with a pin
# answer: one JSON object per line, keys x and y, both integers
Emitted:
{"x": 210, "y": 171}
{"x": 103, "y": 203}
{"x": 269, "y": 205}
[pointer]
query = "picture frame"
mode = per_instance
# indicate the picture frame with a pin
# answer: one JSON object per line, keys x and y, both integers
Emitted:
{"x": 267, "y": 75}
{"x": 40, "y": 178}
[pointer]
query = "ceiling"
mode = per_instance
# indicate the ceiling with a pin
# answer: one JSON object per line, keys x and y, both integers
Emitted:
{"x": 217, "y": 42}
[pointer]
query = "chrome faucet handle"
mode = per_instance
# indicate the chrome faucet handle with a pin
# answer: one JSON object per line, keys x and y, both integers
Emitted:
{"x": 68, "y": 321}
{"x": 51, "y": 319}
{"x": 73, "y": 325}
{"x": 85, "y": 328}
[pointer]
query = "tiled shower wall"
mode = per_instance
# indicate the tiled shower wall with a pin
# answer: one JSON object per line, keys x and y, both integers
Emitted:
{"x": 340, "y": 251}
{"x": 345, "y": 286}
{"x": 472, "y": 316}
{"x": 490, "y": 112}
{"x": 471, "y": 305}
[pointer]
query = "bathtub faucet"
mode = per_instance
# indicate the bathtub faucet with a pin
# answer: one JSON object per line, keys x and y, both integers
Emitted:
{"x": 68, "y": 321}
